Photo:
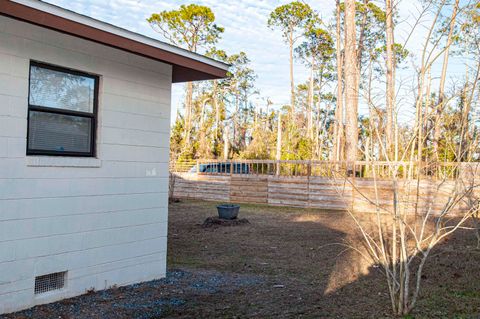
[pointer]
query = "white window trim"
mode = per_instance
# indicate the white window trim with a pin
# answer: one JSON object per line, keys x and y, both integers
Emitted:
{"x": 61, "y": 161}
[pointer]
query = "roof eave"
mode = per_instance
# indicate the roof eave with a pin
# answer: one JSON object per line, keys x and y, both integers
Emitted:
{"x": 187, "y": 66}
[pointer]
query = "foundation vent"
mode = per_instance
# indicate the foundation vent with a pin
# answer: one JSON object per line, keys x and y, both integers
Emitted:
{"x": 50, "y": 282}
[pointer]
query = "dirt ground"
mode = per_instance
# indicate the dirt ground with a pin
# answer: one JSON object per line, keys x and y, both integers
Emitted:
{"x": 284, "y": 263}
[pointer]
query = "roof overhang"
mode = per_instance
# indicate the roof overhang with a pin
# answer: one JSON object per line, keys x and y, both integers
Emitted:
{"x": 186, "y": 66}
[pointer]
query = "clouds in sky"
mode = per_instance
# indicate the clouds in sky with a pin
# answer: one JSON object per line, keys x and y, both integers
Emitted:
{"x": 245, "y": 23}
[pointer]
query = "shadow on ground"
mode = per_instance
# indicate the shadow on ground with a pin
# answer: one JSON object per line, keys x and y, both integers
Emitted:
{"x": 285, "y": 264}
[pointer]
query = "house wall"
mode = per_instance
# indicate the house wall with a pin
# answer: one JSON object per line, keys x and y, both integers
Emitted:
{"x": 104, "y": 219}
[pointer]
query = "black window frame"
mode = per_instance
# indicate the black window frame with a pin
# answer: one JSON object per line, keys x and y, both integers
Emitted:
{"x": 93, "y": 116}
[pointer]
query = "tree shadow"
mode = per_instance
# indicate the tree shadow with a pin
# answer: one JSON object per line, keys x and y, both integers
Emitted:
{"x": 449, "y": 285}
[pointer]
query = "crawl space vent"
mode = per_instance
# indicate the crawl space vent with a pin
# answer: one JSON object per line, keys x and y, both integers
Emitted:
{"x": 50, "y": 282}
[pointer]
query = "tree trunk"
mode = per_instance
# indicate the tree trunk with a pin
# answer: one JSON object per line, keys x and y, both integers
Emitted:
{"x": 359, "y": 52}
{"x": 204, "y": 149}
{"x": 279, "y": 142}
{"x": 236, "y": 124}
{"x": 470, "y": 129}
{"x": 351, "y": 89}
{"x": 317, "y": 134}
{"x": 226, "y": 143}
{"x": 441, "y": 90}
{"x": 338, "y": 128}
{"x": 292, "y": 82}
{"x": 426, "y": 112}
{"x": 390, "y": 102}
{"x": 468, "y": 93}
{"x": 310, "y": 102}
{"x": 361, "y": 38}
{"x": 466, "y": 107}
{"x": 216, "y": 107}
{"x": 188, "y": 112}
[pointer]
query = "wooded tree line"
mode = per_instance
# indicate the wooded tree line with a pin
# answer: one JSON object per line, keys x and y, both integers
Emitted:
{"x": 354, "y": 59}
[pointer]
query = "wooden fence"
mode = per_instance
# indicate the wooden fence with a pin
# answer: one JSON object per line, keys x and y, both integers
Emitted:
{"x": 273, "y": 190}
{"x": 364, "y": 194}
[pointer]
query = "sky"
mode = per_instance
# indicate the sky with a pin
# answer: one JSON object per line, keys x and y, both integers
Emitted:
{"x": 245, "y": 23}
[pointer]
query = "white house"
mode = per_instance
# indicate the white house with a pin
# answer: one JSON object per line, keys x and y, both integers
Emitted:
{"x": 84, "y": 149}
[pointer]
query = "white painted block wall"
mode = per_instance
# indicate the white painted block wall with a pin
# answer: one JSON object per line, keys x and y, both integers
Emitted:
{"x": 103, "y": 220}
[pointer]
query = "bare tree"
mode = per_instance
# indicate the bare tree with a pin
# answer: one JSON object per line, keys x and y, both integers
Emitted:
{"x": 390, "y": 64}
{"x": 338, "y": 128}
{"x": 407, "y": 226}
{"x": 278, "y": 156}
{"x": 441, "y": 90}
{"x": 351, "y": 81}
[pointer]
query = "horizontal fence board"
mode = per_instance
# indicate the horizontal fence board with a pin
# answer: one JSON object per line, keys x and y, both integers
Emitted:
{"x": 210, "y": 198}
{"x": 274, "y": 191}
{"x": 234, "y": 192}
{"x": 245, "y": 199}
{"x": 199, "y": 194}
{"x": 333, "y": 188}
{"x": 320, "y": 198}
{"x": 288, "y": 180}
{"x": 287, "y": 202}
{"x": 249, "y": 187}
{"x": 248, "y": 178}
{"x": 331, "y": 192}
{"x": 303, "y": 186}
{"x": 329, "y": 206}
{"x": 290, "y": 197}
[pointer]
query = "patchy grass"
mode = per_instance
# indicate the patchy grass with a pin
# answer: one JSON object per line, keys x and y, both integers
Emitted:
{"x": 284, "y": 264}
{"x": 295, "y": 248}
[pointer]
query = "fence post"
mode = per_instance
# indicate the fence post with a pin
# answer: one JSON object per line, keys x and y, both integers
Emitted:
{"x": 309, "y": 173}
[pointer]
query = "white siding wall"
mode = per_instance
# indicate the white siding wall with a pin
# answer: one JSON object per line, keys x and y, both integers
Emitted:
{"x": 103, "y": 220}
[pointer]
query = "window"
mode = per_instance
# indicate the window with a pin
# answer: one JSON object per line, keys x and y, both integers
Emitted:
{"x": 62, "y": 111}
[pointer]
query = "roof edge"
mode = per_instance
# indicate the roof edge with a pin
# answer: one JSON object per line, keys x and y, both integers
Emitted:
{"x": 194, "y": 66}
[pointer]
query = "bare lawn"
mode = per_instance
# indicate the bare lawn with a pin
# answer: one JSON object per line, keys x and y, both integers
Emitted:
{"x": 284, "y": 264}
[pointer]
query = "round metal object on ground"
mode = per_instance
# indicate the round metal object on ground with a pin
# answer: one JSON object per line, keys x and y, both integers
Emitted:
{"x": 228, "y": 211}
